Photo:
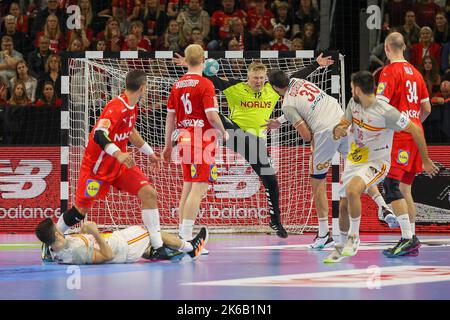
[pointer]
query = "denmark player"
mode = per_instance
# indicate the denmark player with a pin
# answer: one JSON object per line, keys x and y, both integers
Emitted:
{"x": 372, "y": 122}
{"x": 403, "y": 87}
{"x": 314, "y": 114}
{"x": 192, "y": 108}
{"x": 122, "y": 246}
{"x": 106, "y": 162}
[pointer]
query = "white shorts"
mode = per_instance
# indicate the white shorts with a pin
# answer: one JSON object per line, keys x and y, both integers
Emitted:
{"x": 371, "y": 172}
{"x": 323, "y": 149}
{"x": 129, "y": 244}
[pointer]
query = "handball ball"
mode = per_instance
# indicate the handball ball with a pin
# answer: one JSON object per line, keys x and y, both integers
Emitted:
{"x": 211, "y": 67}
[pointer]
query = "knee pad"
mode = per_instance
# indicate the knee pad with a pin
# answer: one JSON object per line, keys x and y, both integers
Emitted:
{"x": 72, "y": 217}
{"x": 392, "y": 190}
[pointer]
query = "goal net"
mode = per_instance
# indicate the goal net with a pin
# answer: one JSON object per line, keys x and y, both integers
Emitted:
{"x": 237, "y": 202}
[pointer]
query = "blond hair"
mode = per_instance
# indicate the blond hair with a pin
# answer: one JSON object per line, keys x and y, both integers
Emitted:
{"x": 257, "y": 66}
{"x": 194, "y": 55}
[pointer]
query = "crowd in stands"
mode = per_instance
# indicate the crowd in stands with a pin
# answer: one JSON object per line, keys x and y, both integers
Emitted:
{"x": 425, "y": 27}
{"x": 33, "y": 33}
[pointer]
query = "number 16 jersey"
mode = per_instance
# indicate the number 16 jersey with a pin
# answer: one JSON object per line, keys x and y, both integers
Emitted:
{"x": 319, "y": 110}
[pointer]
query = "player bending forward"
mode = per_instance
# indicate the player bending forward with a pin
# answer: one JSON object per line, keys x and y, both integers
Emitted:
{"x": 373, "y": 123}
{"x": 123, "y": 246}
{"x": 106, "y": 162}
{"x": 314, "y": 114}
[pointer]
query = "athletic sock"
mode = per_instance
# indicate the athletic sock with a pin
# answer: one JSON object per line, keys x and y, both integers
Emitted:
{"x": 186, "y": 246}
{"x": 343, "y": 238}
{"x": 323, "y": 227}
{"x": 405, "y": 226}
{"x": 413, "y": 228}
{"x": 186, "y": 229}
{"x": 180, "y": 230}
{"x": 354, "y": 226}
{"x": 151, "y": 221}
{"x": 379, "y": 200}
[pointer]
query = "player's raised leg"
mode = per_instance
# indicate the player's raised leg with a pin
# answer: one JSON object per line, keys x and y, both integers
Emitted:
{"x": 384, "y": 212}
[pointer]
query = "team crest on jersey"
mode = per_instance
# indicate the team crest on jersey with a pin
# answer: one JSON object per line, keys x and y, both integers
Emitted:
{"x": 213, "y": 173}
{"x": 408, "y": 70}
{"x": 403, "y": 157}
{"x": 322, "y": 166}
{"x": 194, "y": 173}
{"x": 381, "y": 88}
{"x": 92, "y": 188}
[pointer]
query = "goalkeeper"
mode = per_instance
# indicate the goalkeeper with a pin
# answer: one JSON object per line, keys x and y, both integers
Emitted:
{"x": 251, "y": 104}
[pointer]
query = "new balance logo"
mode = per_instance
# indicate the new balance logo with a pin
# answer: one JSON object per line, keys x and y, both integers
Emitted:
{"x": 26, "y": 181}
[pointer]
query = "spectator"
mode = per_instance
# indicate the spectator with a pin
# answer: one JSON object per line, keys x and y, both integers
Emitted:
{"x": 233, "y": 45}
{"x": 84, "y": 34}
{"x": 112, "y": 35}
{"x": 441, "y": 31}
{"x": 196, "y": 38}
{"x": 87, "y": 12}
{"x": 430, "y": 73}
{"x": 53, "y": 33}
{"x": 23, "y": 74}
{"x": 124, "y": 23}
{"x": 37, "y": 58}
{"x": 426, "y": 11}
{"x": 4, "y": 92}
{"x": 306, "y": 13}
{"x": 377, "y": 57}
{"x": 394, "y": 11}
{"x": 48, "y": 96}
{"x": 130, "y": 8}
{"x": 410, "y": 30}
{"x": 8, "y": 59}
{"x": 426, "y": 47}
{"x": 244, "y": 38}
{"x": 297, "y": 44}
{"x": 280, "y": 43}
{"x": 132, "y": 44}
{"x": 75, "y": 45}
{"x": 41, "y": 18}
{"x": 143, "y": 43}
{"x": 20, "y": 40}
{"x": 171, "y": 39}
{"x": 259, "y": 22}
{"x": 447, "y": 9}
{"x": 99, "y": 45}
{"x": 220, "y": 19}
{"x": 282, "y": 17}
{"x": 309, "y": 36}
{"x": 19, "y": 95}
{"x": 21, "y": 19}
{"x": 52, "y": 73}
{"x": 194, "y": 16}
{"x": 154, "y": 18}
{"x": 444, "y": 95}
{"x": 174, "y": 7}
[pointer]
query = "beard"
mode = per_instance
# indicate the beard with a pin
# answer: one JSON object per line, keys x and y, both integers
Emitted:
{"x": 356, "y": 99}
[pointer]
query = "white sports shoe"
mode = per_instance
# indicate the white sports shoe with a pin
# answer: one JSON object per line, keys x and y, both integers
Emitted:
{"x": 322, "y": 242}
{"x": 336, "y": 255}
{"x": 351, "y": 248}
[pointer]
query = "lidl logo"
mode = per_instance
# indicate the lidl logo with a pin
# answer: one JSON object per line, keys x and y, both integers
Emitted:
{"x": 403, "y": 157}
{"x": 194, "y": 172}
{"x": 92, "y": 187}
{"x": 381, "y": 88}
{"x": 213, "y": 173}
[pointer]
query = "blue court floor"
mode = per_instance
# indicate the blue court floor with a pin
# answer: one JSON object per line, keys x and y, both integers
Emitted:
{"x": 239, "y": 266}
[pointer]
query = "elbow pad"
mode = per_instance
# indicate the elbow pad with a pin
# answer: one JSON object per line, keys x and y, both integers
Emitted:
{"x": 291, "y": 114}
{"x": 101, "y": 138}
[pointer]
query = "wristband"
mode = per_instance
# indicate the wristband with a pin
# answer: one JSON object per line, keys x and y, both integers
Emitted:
{"x": 282, "y": 119}
{"x": 146, "y": 149}
{"x": 111, "y": 148}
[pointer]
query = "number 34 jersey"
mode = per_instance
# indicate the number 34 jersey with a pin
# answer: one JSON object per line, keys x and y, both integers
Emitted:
{"x": 319, "y": 110}
{"x": 402, "y": 86}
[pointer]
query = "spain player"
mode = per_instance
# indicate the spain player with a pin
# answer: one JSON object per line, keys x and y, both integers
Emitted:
{"x": 106, "y": 161}
{"x": 402, "y": 86}
{"x": 122, "y": 246}
{"x": 192, "y": 108}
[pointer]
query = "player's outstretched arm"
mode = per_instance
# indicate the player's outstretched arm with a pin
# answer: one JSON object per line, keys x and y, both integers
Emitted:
{"x": 105, "y": 253}
{"x": 321, "y": 61}
{"x": 428, "y": 166}
{"x": 214, "y": 120}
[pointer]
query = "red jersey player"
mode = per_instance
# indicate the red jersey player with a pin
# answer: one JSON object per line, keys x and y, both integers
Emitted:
{"x": 193, "y": 107}
{"x": 403, "y": 87}
{"x": 106, "y": 162}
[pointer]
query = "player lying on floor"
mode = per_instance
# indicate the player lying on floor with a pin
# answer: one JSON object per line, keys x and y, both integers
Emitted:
{"x": 372, "y": 123}
{"x": 123, "y": 246}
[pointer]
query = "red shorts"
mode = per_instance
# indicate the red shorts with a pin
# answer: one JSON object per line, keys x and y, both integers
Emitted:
{"x": 90, "y": 188}
{"x": 405, "y": 161}
{"x": 198, "y": 164}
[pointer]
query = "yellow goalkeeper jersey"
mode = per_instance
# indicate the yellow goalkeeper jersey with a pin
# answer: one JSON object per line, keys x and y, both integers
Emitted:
{"x": 250, "y": 109}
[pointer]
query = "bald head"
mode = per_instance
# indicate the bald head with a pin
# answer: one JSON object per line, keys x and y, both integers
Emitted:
{"x": 395, "y": 42}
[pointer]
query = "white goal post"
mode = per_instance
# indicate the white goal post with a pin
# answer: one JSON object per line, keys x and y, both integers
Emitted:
{"x": 237, "y": 202}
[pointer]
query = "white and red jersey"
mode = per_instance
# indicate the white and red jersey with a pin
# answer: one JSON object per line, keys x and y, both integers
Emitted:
{"x": 191, "y": 97}
{"x": 402, "y": 86}
{"x": 117, "y": 120}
